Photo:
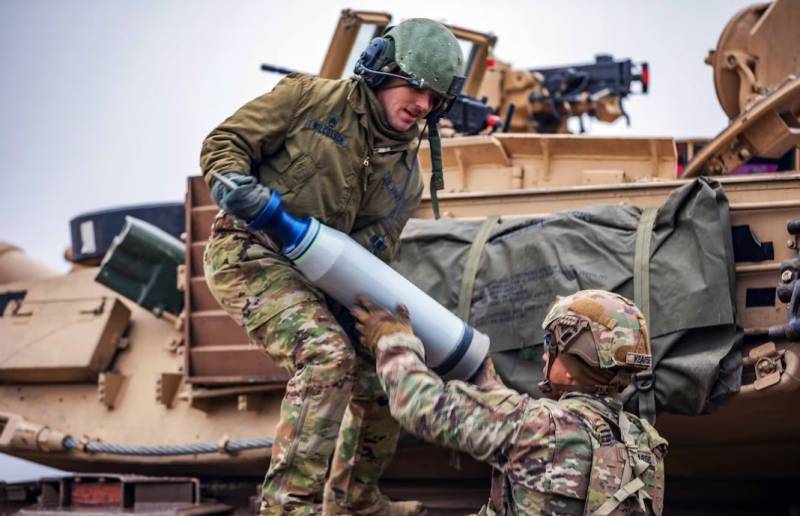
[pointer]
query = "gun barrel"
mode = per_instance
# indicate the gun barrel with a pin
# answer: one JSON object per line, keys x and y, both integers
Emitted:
{"x": 266, "y": 67}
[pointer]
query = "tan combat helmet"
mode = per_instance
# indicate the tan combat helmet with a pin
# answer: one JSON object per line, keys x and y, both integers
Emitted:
{"x": 605, "y": 330}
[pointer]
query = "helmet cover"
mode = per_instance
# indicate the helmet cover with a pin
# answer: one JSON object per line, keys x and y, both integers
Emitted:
{"x": 617, "y": 336}
{"x": 428, "y": 52}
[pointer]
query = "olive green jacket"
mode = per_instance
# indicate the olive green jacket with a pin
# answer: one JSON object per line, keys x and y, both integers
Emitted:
{"x": 310, "y": 140}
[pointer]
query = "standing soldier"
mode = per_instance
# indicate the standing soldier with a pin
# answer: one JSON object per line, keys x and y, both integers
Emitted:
{"x": 343, "y": 151}
{"x": 579, "y": 455}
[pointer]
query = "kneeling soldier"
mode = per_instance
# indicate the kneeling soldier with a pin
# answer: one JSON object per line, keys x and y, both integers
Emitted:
{"x": 579, "y": 453}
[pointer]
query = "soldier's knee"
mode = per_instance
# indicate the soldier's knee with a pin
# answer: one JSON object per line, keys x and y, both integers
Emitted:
{"x": 330, "y": 361}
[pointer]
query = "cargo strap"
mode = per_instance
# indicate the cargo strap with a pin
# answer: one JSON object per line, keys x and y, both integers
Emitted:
{"x": 624, "y": 492}
{"x": 643, "y": 380}
{"x": 471, "y": 267}
{"x": 467, "y": 285}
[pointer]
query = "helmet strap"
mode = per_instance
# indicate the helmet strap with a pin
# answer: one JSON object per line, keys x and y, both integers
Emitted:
{"x": 579, "y": 370}
{"x": 546, "y": 386}
{"x": 621, "y": 380}
{"x": 437, "y": 174}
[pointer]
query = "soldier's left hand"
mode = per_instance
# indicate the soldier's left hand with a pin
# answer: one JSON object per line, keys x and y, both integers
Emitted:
{"x": 375, "y": 321}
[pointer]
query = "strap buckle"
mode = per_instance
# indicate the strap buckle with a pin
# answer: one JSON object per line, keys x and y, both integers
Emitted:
{"x": 644, "y": 380}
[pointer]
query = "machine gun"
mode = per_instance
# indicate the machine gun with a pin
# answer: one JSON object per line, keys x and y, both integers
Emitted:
{"x": 596, "y": 89}
{"x": 471, "y": 116}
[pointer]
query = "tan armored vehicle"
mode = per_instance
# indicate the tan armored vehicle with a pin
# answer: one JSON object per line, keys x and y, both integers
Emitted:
{"x": 521, "y": 100}
{"x": 130, "y": 368}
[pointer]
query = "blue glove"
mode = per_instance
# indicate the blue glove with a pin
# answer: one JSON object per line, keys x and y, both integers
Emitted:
{"x": 246, "y": 201}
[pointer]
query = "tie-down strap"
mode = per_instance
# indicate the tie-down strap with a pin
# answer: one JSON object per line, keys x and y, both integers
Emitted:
{"x": 644, "y": 380}
{"x": 471, "y": 266}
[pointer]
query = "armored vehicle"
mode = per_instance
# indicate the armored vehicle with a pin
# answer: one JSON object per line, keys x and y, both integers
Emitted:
{"x": 497, "y": 96}
{"x": 128, "y": 373}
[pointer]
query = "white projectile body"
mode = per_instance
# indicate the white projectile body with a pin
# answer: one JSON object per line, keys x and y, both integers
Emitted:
{"x": 343, "y": 269}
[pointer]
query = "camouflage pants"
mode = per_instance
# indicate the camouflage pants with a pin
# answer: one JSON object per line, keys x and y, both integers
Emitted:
{"x": 333, "y": 401}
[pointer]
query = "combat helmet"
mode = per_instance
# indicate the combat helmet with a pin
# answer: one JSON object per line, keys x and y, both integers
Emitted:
{"x": 420, "y": 51}
{"x": 603, "y": 329}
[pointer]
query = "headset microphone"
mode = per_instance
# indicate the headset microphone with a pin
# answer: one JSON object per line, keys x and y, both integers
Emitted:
{"x": 363, "y": 71}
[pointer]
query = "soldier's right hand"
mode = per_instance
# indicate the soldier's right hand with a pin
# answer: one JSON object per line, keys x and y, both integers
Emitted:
{"x": 246, "y": 201}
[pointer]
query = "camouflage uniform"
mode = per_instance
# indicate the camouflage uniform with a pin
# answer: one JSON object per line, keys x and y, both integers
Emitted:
{"x": 323, "y": 146}
{"x": 565, "y": 457}
{"x": 541, "y": 450}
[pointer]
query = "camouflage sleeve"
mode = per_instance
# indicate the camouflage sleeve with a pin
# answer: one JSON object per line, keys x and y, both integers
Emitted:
{"x": 382, "y": 237}
{"x": 257, "y": 129}
{"x": 481, "y": 422}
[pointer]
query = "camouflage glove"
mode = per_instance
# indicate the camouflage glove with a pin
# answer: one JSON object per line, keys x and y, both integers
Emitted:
{"x": 246, "y": 201}
{"x": 486, "y": 377}
{"x": 374, "y": 322}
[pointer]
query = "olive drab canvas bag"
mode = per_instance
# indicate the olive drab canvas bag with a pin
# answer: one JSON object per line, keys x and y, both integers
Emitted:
{"x": 502, "y": 275}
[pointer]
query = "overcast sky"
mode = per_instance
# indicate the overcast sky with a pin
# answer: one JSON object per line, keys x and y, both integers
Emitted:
{"x": 106, "y": 102}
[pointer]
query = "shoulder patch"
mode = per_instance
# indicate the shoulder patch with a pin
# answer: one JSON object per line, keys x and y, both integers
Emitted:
{"x": 647, "y": 458}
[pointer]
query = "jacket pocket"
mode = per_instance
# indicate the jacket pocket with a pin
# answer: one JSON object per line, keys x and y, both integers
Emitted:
{"x": 381, "y": 200}
{"x": 298, "y": 173}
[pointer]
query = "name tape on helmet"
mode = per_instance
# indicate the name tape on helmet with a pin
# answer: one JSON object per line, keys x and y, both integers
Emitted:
{"x": 639, "y": 360}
